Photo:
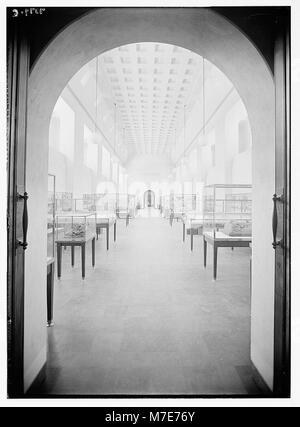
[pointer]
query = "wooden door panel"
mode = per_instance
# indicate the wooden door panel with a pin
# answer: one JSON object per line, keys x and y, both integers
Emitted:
{"x": 281, "y": 208}
{"x": 18, "y": 66}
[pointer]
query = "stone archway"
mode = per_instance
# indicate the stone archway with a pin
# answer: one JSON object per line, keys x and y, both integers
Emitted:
{"x": 198, "y": 29}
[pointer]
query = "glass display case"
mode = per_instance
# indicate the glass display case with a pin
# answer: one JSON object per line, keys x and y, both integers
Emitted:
{"x": 189, "y": 203}
{"x": 199, "y": 203}
{"x": 84, "y": 205}
{"x": 51, "y": 217}
{"x": 193, "y": 217}
{"x": 132, "y": 208}
{"x": 138, "y": 202}
{"x": 193, "y": 211}
{"x": 178, "y": 204}
{"x": 160, "y": 204}
{"x": 227, "y": 208}
{"x": 126, "y": 205}
{"x": 122, "y": 204}
{"x": 166, "y": 205}
{"x": 64, "y": 202}
{"x": 105, "y": 208}
{"x": 75, "y": 226}
{"x": 183, "y": 204}
{"x": 89, "y": 201}
{"x": 107, "y": 203}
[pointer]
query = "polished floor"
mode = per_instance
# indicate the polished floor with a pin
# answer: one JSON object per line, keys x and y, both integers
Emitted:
{"x": 149, "y": 319}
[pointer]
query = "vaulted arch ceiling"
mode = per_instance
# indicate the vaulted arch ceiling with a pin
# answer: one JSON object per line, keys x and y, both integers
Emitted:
{"x": 151, "y": 84}
{"x": 155, "y": 88}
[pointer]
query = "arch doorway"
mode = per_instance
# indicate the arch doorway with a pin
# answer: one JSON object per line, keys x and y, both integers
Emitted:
{"x": 149, "y": 199}
{"x": 203, "y": 31}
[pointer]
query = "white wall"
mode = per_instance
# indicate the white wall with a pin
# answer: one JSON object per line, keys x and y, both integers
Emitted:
{"x": 75, "y": 155}
{"x": 224, "y": 136}
{"x": 149, "y": 168}
{"x": 242, "y": 168}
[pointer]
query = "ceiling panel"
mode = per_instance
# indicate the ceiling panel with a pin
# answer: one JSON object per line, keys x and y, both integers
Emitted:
{"x": 151, "y": 83}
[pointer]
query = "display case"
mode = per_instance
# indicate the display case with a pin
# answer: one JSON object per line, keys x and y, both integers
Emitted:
{"x": 189, "y": 203}
{"x": 126, "y": 205}
{"x": 84, "y": 205}
{"x": 89, "y": 201}
{"x": 122, "y": 204}
{"x": 227, "y": 209}
{"x": 138, "y": 202}
{"x": 107, "y": 203}
{"x": 192, "y": 207}
{"x": 166, "y": 206}
{"x": 193, "y": 212}
{"x": 182, "y": 204}
{"x": 51, "y": 217}
{"x": 160, "y": 204}
{"x": 64, "y": 202}
{"x": 104, "y": 220}
{"x": 75, "y": 226}
{"x": 178, "y": 204}
{"x": 93, "y": 196}
{"x": 132, "y": 205}
{"x": 105, "y": 216}
{"x": 193, "y": 219}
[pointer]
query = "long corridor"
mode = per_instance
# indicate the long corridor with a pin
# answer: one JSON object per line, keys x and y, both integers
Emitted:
{"x": 149, "y": 319}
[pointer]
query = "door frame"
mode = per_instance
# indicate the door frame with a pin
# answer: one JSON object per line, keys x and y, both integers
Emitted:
{"x": 282, "y": 210}
{"x": 17, "y": 84}
{"x": 16, "y": 184}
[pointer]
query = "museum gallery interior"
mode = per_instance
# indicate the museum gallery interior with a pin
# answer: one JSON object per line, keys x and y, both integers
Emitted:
{"x": 150, "y": 173}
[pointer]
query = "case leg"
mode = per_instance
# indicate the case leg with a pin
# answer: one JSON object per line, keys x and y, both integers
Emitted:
{"x": 59, "y": 255}
{"x": 107, "y": 237}
{"x": 115, "y": 231}
{"x": 72, "y": 255}
{"x": 50, "y": 292}
{"x": 93, "y": 252}
{"x": 215, "y": 261}
{"x": 83, "y": 260}
{"x": 204, "y": 251}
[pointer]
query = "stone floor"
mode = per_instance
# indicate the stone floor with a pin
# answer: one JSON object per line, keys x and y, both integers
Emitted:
{"x": 149, "y": 319}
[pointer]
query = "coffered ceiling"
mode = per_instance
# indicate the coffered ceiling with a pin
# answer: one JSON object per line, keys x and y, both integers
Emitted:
{"x": 152, "y": 84}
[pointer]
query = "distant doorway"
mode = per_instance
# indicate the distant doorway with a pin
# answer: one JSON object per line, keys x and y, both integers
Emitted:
{"x": 149, "y": 199}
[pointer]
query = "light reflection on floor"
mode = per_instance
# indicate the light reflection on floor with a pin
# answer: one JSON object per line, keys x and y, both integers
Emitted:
{"x": 149, "y": 213}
